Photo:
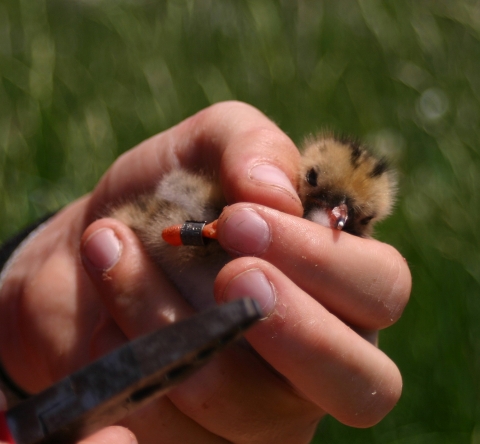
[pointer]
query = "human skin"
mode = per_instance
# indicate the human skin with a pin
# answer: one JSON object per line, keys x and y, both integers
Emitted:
{"x": 109, "y": 435}
{"x": 84, "y": 286}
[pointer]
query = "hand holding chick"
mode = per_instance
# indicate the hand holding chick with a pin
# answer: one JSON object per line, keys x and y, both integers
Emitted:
{"x": 60, "y": 306}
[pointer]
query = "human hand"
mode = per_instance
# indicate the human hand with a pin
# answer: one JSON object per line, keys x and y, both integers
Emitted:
{"x": 318, "y": 363}
{"x": 109, "y": 435}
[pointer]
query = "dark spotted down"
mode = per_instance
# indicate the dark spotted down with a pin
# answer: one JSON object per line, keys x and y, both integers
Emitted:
{"x": 335, "y": 171}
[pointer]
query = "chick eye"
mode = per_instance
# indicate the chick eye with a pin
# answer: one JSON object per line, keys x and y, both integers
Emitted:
{"x": 366, "y": 220}
{"x": 312, "y": 177}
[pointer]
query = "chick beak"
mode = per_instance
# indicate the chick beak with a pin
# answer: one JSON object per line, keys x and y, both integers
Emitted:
{"x": 338, "y": 216}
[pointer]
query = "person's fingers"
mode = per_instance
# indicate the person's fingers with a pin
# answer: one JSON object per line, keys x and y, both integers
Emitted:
{"x": 363, "y": 281}
{"x": 111, "y": 435}
{"x": 256, "y": 161}
{"x": 139, "y": 300}
{"x": 139, "y": 297}
{"x": 237, "y": 387}
{"x": 162, "y": 422}
{"x": 241, "y": 398}
{"x": 323, "y": 358}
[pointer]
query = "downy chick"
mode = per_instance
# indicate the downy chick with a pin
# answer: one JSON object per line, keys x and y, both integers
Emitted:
{"x": 342, "y": 186}
{"x": 180, "y": 196}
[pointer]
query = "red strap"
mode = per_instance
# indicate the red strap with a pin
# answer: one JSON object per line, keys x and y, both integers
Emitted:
{"x": 5, "y": 434}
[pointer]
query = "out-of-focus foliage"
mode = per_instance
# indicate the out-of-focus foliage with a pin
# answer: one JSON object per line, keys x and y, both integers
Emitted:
{"x": 83, "y": 81}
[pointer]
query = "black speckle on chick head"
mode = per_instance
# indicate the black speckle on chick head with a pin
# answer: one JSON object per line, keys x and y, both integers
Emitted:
{"x": 337, "y": 171}
{"x": 312, "y": 177}
{"x": 380, "y": 167}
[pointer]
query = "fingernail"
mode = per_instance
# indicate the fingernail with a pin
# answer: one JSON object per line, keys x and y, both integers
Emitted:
{"x": 102, "y": 249}
{"x": 246, "y": 233}
{"x": 271, "y": 175}
{"x": 253, "y": 284}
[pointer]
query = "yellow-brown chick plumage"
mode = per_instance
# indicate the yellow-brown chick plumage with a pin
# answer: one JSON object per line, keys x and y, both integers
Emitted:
{"x": 332, "y": 172}
{"x": 335, "y": 171}
{"x": 181, "y": 195}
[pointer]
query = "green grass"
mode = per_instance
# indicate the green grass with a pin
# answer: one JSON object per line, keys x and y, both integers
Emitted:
{"x": 83, "y": 81}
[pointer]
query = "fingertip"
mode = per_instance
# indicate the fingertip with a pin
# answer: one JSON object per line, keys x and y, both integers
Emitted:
{"x": 402, "y": 286}
{"x": 373, "y": 405}
{"x": 102, "y": 249}
{"x": 266, "y": 174}
{"x": 113, "y": 434}
{"x": 395, "y": 286}
{"x": 107, "y": 243}
{"x": 243, "y": 231}
{"x": 135, "y": 290}
{"x": 261, "y": 166}
{"x": 252, "y": 283}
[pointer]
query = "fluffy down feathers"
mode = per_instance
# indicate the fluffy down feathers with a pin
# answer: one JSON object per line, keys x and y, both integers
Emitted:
{"x": 342, "y": 185}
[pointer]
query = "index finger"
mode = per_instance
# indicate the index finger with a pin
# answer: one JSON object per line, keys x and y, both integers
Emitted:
{"x": 254, "y": 159}
{"x": 365, "y": 282}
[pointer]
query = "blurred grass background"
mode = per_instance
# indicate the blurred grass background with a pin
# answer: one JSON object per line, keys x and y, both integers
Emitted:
{"x": 82, "y": 81}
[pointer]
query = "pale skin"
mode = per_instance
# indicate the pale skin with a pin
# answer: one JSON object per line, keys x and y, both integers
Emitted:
{"x": 109, "y": 435}
{"x": 84, "y": 286}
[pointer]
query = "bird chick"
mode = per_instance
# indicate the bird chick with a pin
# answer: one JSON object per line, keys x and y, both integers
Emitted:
{"x": 341, "y": 186}
{"x": 181, "y": 195}
{"x": 344, "y": 186}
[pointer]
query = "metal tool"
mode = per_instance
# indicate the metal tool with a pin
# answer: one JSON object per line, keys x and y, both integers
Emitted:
{"x": 114, "y": 386}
